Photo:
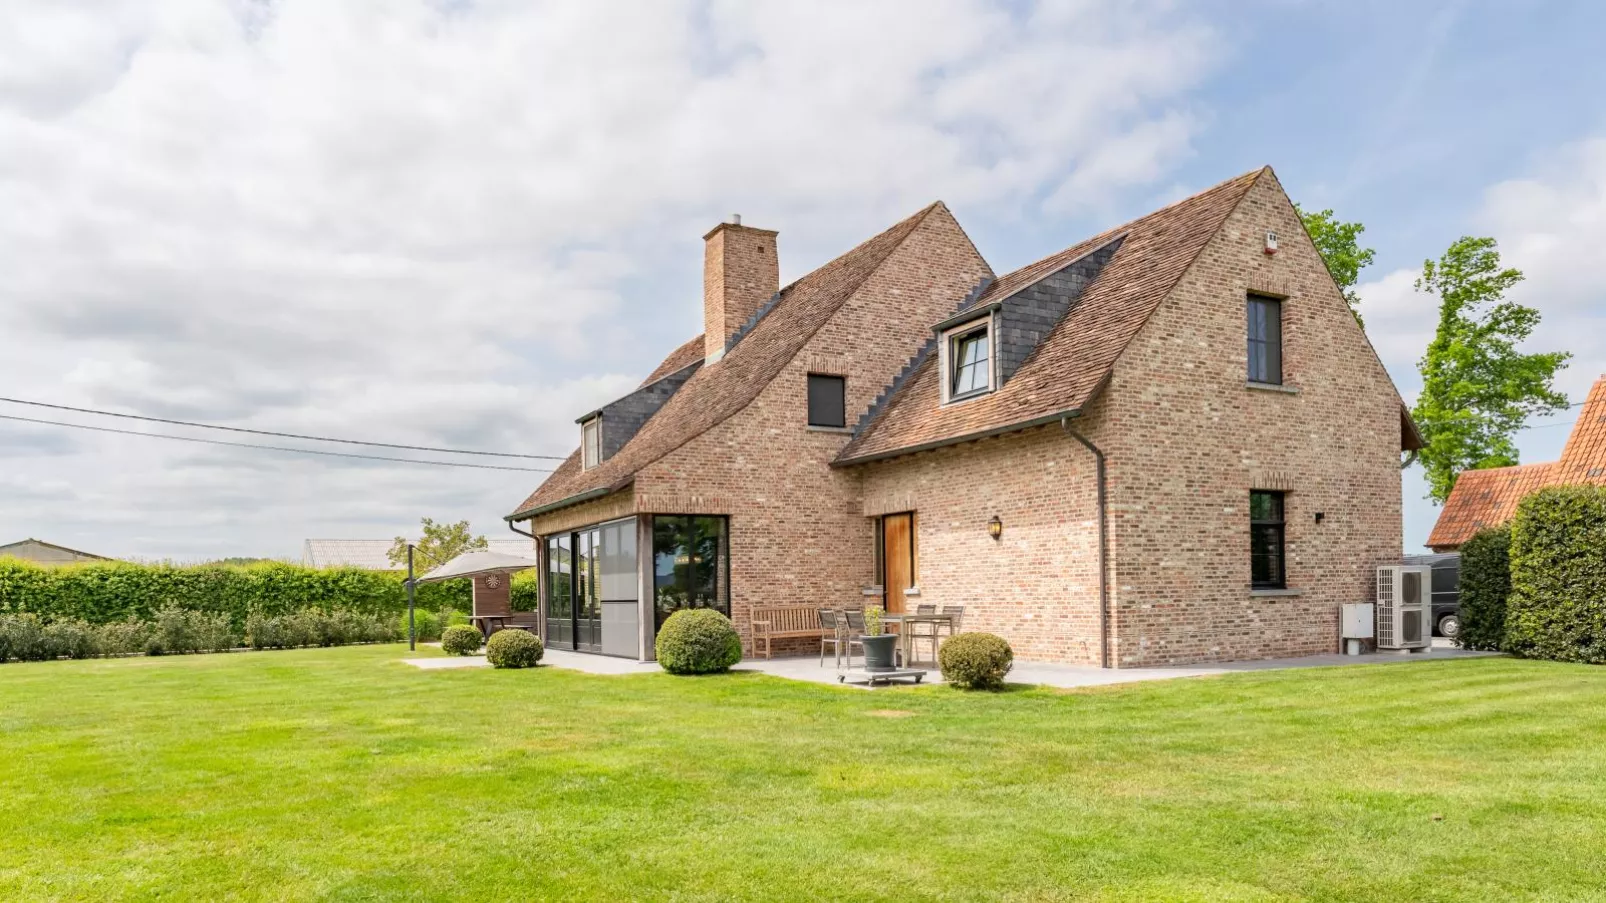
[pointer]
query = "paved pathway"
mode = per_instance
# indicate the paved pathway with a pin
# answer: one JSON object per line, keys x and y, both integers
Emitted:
{"x": 808, "y": 668}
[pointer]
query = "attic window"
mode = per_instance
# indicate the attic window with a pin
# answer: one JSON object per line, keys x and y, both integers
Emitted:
{"x": 591, "y": 443}
{"x": 968, "y": 359}
{"x": 827, "y": 401}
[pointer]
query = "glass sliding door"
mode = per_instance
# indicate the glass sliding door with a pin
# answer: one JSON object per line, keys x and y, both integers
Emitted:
{"x": 587, "y": 592}
{"x": 690, "y": 565}
{"x": 559, "y": 593}
{"x": 592, "y": 589}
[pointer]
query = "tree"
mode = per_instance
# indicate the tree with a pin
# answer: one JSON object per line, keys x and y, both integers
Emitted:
{"x": 441, "y": 543}
{"x": 1477, "y": 388}
{"x": 1340, "y": 247}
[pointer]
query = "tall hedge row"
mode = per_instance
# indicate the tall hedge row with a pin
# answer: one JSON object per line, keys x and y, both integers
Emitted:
{"x": 1557, "y": 607}
{"x": 103, "y": 592}
{"x": 1485, "y": 584}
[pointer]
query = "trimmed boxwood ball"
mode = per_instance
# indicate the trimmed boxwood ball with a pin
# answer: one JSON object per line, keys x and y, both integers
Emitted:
{"x": 460, "y": 639}
{"x": 698, "y": 641}
{"x": 975, "y": 661}
{"x": 514, "y": 649}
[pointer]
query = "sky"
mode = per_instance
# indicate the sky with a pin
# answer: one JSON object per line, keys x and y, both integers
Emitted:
{"x": 464, "y": 224}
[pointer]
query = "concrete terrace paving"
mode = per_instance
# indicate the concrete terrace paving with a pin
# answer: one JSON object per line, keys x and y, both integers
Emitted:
{"x": 807, "y": 668}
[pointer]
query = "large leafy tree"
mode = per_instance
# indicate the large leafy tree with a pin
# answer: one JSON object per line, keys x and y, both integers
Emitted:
{"x": 441, "y": 543}
{"x": 1340, "y": 247}
{"x": 1478, "y": 389}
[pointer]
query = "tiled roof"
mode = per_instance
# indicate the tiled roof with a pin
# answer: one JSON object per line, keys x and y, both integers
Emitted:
{"x": 370, "y": 554}
{"x": 1072, "y": 363}
{"x": 1486, "y": 498}
{"x": 1584, "y": 458}
{"x": 716, "y": 392}
{"x": 679, "y": 359}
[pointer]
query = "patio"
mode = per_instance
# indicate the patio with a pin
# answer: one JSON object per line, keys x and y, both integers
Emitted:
{"x": 807, "y": 667}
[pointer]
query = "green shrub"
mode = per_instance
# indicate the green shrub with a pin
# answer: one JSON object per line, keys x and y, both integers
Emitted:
{"x": 698, "y": 641}
{"x": 460, "y": 639}
{"x": 71, "y": 638}
{"x": 121, "y": 637}
{"x": 179, "y": 631}
{"x": 1485, "y": 584}
{"x": 975, "y": 661}
{"x": 514, "y": 649}
{"x": 22, "y": 638}
{"x": 1557, "y": 606}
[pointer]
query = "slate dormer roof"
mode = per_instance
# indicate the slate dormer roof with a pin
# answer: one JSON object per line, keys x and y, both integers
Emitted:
{"x": 716, "y": 392}
{"x": 1125, "y": 273}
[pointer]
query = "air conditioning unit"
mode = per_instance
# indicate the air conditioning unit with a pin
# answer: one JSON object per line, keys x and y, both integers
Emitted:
{"x": 1404, "y": 607}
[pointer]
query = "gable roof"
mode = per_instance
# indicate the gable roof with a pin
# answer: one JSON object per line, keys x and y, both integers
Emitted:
{"x": 1488, "y": 498}
{"x": 679, "y": 359}
{"x": 1072, "y": 363}
{"x": 22, "y": 547}
{"x": 715, "y": 393}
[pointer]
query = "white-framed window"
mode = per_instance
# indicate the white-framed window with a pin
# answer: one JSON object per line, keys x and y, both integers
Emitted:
{"x": 591, "y": 443}
{"x": 968, "y": 362}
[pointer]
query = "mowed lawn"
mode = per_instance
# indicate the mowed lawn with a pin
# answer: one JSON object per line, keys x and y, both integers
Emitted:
{"x": 343, "y": 774}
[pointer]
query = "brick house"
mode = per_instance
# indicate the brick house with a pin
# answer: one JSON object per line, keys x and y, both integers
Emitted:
{"x": 1488, "y": 498}
{"x": 1184, "y": 443}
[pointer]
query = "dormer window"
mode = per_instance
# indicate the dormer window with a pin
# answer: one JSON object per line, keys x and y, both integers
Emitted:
{"x": 968, "y": 360}
{"x": 591, "y": 443}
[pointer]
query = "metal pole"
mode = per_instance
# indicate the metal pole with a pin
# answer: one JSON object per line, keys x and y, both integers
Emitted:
{"x": 412, "y": 629}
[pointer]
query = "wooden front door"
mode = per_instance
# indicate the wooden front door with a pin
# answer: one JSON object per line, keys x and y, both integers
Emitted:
{"x": 897, "y": 559}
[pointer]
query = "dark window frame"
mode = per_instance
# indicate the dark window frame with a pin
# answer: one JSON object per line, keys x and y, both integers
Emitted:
{"x": 827, "y": 394}
{"x": 1264, "y": 315}
{"x": 981, "y": 334}
{"x": 687, "y": 530}
{"x": 1268, "y": 540}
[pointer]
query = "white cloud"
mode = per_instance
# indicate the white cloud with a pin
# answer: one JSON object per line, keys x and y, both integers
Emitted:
{"x": 452, "y": 223}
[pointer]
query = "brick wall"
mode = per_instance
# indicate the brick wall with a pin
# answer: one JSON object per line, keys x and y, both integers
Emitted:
{"x": 1187, "y": 441}
{"x": 798, "y": 533}
{"x": 1037, "y": 584}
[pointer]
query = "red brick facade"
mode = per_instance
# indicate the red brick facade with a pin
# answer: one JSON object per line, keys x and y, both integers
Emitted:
{"x": 1186, "y": 439}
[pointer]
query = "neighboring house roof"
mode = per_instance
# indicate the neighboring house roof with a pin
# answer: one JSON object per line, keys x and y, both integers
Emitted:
{"x": 1071, "y": 364}
{"x": 370, "y": 554}
{"x": 1488, "y": 498}
{"x": 715, "y": 393}
{"x": 46, "y": 552}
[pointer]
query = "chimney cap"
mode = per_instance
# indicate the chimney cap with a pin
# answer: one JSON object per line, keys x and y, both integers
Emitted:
{"x": 736, "y": 219}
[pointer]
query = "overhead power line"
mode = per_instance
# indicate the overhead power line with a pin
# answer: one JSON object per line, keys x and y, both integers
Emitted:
{"x": 278, "y": 448}
{"x": 241, "y": 429}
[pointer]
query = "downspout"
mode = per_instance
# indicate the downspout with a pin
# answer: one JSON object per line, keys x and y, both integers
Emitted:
{"x": 515, "y": 529}
{"x": 1104, "y": 585}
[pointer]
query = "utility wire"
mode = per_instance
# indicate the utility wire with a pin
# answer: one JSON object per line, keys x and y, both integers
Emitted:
{"x": 241, "y": 429}
{"x": 281, "y": 448}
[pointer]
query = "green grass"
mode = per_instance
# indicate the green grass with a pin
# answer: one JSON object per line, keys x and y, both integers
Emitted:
{"x": 344, "y": 775}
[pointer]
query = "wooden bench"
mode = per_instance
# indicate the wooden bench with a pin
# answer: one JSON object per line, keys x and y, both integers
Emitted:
{"x": 778, "y": 621}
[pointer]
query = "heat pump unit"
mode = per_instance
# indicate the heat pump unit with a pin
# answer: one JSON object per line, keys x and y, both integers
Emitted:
{"x": 1404, "y": 607}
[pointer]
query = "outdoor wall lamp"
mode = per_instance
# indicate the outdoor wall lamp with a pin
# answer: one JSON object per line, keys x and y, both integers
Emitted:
{"x": 995, "y": 527}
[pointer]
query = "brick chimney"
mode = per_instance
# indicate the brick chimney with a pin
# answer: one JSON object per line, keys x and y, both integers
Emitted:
{"x": 740, "y": 273}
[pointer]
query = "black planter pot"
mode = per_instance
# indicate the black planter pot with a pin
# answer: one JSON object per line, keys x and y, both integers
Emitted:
{"x": 879, "y": 652}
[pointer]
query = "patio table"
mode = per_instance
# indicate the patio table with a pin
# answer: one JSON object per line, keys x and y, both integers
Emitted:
{"x": 906, "y": 633}
{"x": 489, "y": 624}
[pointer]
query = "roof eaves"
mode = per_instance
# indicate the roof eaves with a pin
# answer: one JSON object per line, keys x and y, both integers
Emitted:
{"x": 959, "y": 440}
{"x": 572, "y": 500}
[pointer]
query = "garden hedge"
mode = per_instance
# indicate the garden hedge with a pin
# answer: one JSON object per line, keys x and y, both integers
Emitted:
{"x": 1557, "y": 606}
{"x": 1485, "y": 584}
{"x": 111, "y": 591}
